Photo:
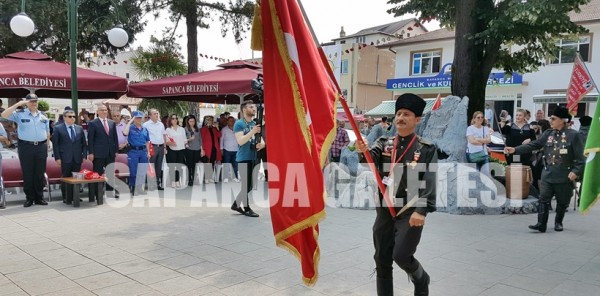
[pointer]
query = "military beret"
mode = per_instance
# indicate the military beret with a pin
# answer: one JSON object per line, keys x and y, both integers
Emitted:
{"x": 585, "y": 120}
{"x": 562, "y": 112}
{"x": 411, "y": 102}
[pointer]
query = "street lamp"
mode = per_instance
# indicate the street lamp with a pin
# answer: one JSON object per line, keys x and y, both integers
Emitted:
{"x": 23, "y": 26}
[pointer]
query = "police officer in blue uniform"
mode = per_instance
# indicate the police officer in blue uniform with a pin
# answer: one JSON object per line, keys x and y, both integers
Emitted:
{"x": 138, "y": 138}
{"x": 34, "y": 134}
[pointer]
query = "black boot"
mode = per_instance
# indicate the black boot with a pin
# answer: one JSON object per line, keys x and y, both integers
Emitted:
{"x": 560, "y": 214}
{"x": 420, "y": 279}
{"x": 385, "y": 287}
{"x": 542, "y": 218}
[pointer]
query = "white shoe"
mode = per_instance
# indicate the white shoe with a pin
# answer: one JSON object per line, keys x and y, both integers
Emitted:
{"x": 211, "y": 181}
{"x": 225, "y": 180}
{"x": 236, "y": 180}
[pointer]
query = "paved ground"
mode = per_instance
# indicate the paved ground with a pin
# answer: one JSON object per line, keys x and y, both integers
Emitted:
{"x": 104, "y": 250}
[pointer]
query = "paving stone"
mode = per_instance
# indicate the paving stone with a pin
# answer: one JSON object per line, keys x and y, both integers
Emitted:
{"x": 102, "y": 280}
{"x": 178, "y": 285}
{"x": 133, "y": 266}
{"x": 39, "y": 287}
{"x": 84, "y": 270}
{"x": 154, "y": 275}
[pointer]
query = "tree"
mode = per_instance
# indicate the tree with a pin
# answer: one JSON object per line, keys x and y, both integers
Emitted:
{"x": 234, "y": 17}
{"x": 51, "y": 35}
{"x": 161, "y": 60}
{"x": 513, "y": 35}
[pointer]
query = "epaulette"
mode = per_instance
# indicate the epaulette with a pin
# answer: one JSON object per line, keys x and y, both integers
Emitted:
{"x": 425, "y": 141}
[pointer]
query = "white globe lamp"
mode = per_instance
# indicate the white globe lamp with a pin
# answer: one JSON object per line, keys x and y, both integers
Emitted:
{"x": 118, "y": 37}
{"x": 22, "y": 25}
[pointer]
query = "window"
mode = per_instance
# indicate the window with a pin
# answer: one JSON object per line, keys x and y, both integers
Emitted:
{"x": 344, "y": 66}
{"x": 426, "y": 62}
{"x": 127, "y": 76}
{"x": 360, "y": 39}
{"x": 568, "y": 48}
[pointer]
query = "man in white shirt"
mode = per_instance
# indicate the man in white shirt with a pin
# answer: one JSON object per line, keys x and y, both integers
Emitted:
{"x": 489, "y": 115}
{"x": 157, "y": 139}
{"x": 230, "y": 147}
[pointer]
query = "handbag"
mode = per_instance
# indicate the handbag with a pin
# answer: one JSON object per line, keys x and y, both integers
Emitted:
{"x": 480, "y": 156}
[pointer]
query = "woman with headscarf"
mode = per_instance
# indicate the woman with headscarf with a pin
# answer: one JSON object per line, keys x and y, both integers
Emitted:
{"x": 211, "y": 135}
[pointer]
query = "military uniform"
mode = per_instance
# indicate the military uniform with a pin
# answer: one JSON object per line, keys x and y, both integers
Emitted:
{"x": 562, "y": 154}
{"x": 394, "y": 238}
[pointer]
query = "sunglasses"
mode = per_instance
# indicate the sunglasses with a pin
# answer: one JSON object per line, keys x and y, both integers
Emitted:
{"x": 70, "y": 116}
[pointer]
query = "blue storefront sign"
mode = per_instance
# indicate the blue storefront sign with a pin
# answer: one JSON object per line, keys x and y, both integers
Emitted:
{"x": 444, "y": 80}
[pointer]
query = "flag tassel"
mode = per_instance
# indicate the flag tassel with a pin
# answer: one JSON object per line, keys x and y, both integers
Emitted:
{"x": 257, "y": 41}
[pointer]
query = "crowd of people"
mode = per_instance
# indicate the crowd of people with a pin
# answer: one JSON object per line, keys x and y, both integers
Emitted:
{"x": 147, "y": 139}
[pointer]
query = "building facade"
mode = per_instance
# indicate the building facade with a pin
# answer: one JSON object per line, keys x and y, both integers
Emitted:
{"x": 361, "y": 68}
{"x": 423, "y": 64}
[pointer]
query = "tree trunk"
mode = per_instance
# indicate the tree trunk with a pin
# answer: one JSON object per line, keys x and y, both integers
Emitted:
{"x": 473, "y": 61}
{"x": 191, "y": 20}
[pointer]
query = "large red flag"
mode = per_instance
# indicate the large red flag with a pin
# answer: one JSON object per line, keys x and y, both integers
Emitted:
{"x": 300, "y": 104}
{"x": 580, "y": 84}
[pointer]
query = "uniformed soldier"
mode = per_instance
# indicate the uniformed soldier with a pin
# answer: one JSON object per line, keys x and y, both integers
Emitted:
{"x": 563, "y": 164}
{"x": 34, "y": 134}
{"x": 396, "y": 238}
{"x": 138, "y": 138}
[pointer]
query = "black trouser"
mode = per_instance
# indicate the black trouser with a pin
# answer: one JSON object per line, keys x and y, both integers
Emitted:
{"x": 67, "y": 169}
{"x": 157, "y": 160}
{"x": 246, "y": 169}
{"x": 33, "y": 165}
{"x": 262, "y": 156}
{"x": 175, "y": 158}
{"x": 395, "y": 241}
{"x": 192, "y": 157}
{"x": 563, "y": 193}
{"x": 99, "y": 164}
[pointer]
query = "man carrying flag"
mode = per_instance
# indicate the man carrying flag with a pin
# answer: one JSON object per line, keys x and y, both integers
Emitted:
{"x": 396, "y": 238}
{"x": 563, "y": 165}
{"x": 590, "y": 187}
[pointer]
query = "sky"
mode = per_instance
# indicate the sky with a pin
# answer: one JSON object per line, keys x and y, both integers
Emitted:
{"x": 326, "y": 16}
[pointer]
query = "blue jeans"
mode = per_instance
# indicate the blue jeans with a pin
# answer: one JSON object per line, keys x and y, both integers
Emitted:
{"x": 229, "y": 157}
{"x": 135, "y": 158}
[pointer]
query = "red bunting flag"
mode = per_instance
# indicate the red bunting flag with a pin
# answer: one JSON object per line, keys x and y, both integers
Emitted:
{"x": 302, "y": 106}
{"x": 581, "y": 83}
{"x": 438, "y": 103}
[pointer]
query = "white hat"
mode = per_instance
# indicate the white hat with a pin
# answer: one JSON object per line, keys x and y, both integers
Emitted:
{"x": 125, "y": 112}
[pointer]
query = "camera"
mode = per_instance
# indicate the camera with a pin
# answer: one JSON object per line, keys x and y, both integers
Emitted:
{"x": 257, "y": 85}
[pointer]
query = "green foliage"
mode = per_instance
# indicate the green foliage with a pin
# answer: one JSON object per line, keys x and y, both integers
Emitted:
{"x": 531, "y": 27}
{"x": 43, "y": 106}
{"x": 50, "y": 18}
{"x": 164, "y": 107}
{"x": 234, "y": 17}
{"x": 161, "y": 60}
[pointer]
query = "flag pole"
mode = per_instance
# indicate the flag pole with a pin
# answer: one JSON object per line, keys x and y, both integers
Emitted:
{"x": 367, "y": 155}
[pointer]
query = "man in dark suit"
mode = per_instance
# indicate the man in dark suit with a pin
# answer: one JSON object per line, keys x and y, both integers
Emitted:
{"x": 103, "y": 143}
{"x": 70, "y": 147}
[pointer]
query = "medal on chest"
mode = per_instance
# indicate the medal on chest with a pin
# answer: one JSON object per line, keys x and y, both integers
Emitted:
{"x": 416, "y": 157}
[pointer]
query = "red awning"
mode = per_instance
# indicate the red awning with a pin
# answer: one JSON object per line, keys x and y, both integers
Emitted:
{"x": 25, "y": 72}
{"x": 216, "y": 86}
{"x": 342, "y": 116}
